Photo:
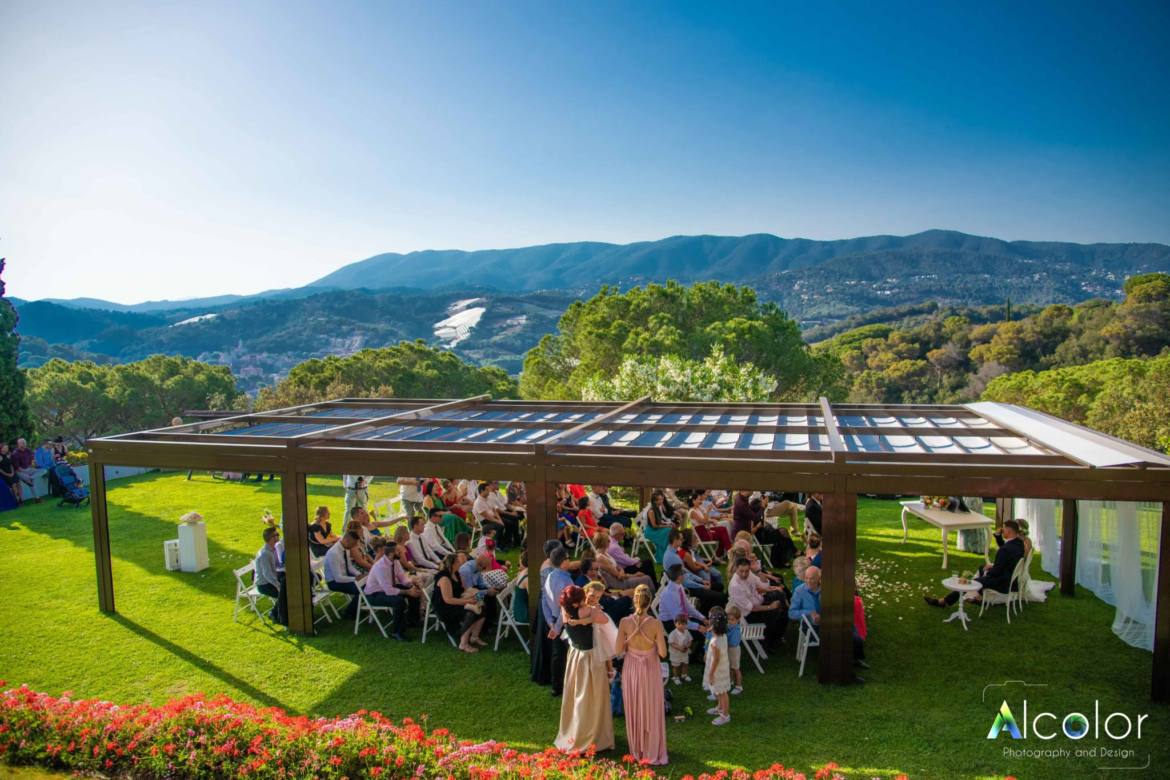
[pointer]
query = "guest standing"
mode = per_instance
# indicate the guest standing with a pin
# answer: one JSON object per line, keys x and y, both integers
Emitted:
{"x": 640, "y": 639}
{"x": 586, "y": 718}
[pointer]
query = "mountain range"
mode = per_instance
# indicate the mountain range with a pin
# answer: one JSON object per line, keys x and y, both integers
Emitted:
{"x": 493, "y": 305}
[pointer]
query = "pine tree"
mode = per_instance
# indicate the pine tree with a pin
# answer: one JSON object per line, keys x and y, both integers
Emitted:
{"x": 14, "y": 416}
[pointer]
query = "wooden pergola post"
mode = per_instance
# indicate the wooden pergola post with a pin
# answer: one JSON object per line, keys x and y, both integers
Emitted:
{"x": 1003, "y": 511}
{"x": 839, "y": 523}
{"x": 1068, "y": 548}
{"x": 298, "y": 579}
{"x": 99, "y": 511}
{"x": 1160, "y": 685}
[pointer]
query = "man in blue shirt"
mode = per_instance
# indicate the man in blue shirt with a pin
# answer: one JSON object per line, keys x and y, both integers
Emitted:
{"x": 806, "y": 599}
{"x": 674, "y": 603}
{"x": 471, "y": 575}
{"x": 550, "y": 603}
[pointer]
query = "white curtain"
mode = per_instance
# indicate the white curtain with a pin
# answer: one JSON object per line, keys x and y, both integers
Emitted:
{"x": 1117, "y": 556}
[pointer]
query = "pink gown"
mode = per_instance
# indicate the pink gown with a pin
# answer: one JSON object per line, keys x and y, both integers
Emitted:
{"x": 643, "y": 700}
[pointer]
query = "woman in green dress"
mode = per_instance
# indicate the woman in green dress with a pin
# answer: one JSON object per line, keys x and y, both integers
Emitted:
{"x": 453, "y": 525}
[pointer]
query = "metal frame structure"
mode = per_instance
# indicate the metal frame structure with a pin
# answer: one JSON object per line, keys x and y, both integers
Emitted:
{"x": 985, "y": 449}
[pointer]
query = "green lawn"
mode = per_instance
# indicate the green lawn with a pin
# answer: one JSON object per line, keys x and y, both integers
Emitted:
{"x": 920, "y": 711}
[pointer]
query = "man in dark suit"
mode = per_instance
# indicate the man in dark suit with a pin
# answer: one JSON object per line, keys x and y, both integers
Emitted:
{"x": 997, "y": 576}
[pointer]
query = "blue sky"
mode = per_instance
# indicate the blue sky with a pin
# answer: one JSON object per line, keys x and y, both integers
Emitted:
{"x": 169, "y": 150}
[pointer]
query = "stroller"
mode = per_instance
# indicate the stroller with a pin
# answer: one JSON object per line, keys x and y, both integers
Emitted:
{"x": 65, "y": 484}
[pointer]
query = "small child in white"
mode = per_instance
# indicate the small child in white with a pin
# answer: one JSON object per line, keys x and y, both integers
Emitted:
{"x": 734, "y": 617}
{"x": 717, "y": 672}
{"x": 679, "y": 642}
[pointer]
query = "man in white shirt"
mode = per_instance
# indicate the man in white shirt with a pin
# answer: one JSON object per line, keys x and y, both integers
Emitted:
{"x": 759, "y": 603}
{"x": 410, "y": 490}
{"x": 510, "y": 515}
{"x": 420, "y": 556}
{"x": 340, "y": 572}
{"x": 386, "y": 586}
{"x": 436, "y": 543}
{"x": 486, "y": 512}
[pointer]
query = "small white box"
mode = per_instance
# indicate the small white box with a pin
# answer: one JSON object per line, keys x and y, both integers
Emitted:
{"x": 171, "y": 554}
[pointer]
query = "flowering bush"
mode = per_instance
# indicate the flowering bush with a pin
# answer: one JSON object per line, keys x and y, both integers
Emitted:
{"x": 199, "y": 736}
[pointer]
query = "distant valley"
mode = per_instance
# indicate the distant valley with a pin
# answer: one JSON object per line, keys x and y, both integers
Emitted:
{"x": 491, "y": 306}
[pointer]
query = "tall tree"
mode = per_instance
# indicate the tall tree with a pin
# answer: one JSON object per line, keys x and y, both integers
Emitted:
{"x": 14, "y": 416}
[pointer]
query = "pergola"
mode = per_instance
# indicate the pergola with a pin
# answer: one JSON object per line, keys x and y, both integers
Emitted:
{"x": 980, "y": 449}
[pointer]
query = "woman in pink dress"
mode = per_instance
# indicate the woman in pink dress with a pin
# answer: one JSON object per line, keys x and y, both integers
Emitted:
{"x": 640, "y": 639}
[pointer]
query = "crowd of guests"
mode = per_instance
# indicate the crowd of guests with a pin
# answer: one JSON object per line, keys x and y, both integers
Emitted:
{"x": 605, "y": 610}
{"x": 20, "y": 465}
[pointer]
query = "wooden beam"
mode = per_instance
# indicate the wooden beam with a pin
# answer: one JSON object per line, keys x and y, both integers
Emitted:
{"x": 1068, "y": 548}
{"x": 836, "y": 443}
{"x": 596, "y": 421}
{"x": 1160, "y": 682}
{"x": 99, "y": 511}
{"x": 298, "y": 578}
{"x": 839, "y": 523}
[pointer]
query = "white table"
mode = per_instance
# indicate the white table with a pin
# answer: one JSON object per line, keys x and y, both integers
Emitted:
{"x": 946, "y": 521}
{"x": 962, "y": 588}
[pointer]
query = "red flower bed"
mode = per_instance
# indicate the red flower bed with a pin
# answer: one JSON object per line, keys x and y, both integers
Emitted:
{"x": 214, "y": 737}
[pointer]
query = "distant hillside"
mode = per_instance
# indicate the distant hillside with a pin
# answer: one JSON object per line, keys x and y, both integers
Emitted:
{"x": 813, "y": 280}
{"x": 262, "y": 339}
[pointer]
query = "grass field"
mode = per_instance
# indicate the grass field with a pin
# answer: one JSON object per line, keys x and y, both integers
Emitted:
{"x": 921, "y": 710}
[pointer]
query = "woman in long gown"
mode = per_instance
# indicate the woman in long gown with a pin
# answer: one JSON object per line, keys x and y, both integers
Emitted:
{"x": 586, "y": 718}
{"x": 659, "y": 524}
{"x": 640, "y": 638}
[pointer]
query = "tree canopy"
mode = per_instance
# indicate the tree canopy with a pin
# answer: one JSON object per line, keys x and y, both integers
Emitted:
{"x": 595, "y": 336}
{"x": 409, "y": 369}
{"x": 15, "y": 421}
{"x": 79, "y": 400}
{"x": 671, "y": 378}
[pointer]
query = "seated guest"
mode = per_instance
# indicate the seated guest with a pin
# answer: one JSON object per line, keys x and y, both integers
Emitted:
{"x": 812, "y": 513}
{"x": 616, "y": 551}
{"x": 387, "y": 586}
{"x": 674, "y": 603}
{"x": 613, "y": 575}
{"x": 800, "y": 565}
{"x": 463, "y": 544}
{"x": 452, "y": 607}
{"x": 697, "y": 584}
{"x": 402, "y": 539}
{"x": 517, "y": 496}
{"x": 806, "y": 599}
{"x": 433, "y": 536}
{"x": 458, "y": 502}
{"x": 321, "y": 536}
{"x": 471, "y": 574}
{"x": 8, "y": 473}
{"x": 748, "y": 515}
{"x": 484, "y": 511}
{"x": 707, "y": 529}
{"x": 24, "y": 462}
{"x": 510, "y": 515}
{"x": 759, "y": 603}
{"x": 340, "y": 572}
{"x": 785, "y": 508}
{"x": 60, "y": 450}
{"x": 813, "y": 550}
{"x": 605, "y": 512}
{"x": 268, "y": 580}
{"x": 659, "y": 523}
{"x": 43, "y": 457}
{"x": 585, "y": 517}
{"x": 361, "y": 554}
{"x": 696, "y": 562}
{"x": 996, "y": 576}
{"x": 487, "y": 546}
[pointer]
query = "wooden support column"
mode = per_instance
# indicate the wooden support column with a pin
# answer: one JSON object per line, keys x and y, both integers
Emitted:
{"x": 294, "y": 501}
{"x": 645, "y": 493}
{"x": 1003, "y": 511}
{"x": 1160, "y": 685}
{"x": 542, "y": 526}
{"x": 101, "y": 535}
{"x": 839, "y": 523}
{"x": 1068, "y": 548}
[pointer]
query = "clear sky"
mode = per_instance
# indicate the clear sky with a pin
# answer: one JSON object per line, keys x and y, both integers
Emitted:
{"x": 176, "y": 149}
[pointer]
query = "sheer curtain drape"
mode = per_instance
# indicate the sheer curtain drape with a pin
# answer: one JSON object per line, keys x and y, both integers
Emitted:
{"x": 1117, "y": 556}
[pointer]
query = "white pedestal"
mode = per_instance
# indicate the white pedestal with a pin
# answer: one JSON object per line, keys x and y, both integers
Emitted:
{"x": 193, "y": 546}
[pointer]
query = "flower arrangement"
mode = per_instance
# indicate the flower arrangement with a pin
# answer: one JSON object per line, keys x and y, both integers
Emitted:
{"x": 210, "y": 737}
{"x": 77, "y": 457}
{"x": 267, "y": 518}
{"x": 191, "y": 517}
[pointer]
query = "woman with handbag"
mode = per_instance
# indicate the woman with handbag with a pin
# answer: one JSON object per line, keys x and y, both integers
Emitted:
{"x": 455, "y": 611}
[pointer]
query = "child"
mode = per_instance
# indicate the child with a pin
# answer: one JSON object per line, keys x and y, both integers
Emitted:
{"x": 604, "y": 631}
{"x": 680, "y": 650}
{"x": 717, "y": 673}
{"x": 734, "y": 617}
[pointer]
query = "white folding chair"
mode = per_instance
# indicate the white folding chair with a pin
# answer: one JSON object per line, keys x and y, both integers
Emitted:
{"x": 654, "y": 602}
{"x": 321, "y": 595}
{"x": 371, "y": 616}
{"x": 431, "y": 621}
{"x": 1025, "y": 580}
{"x": 640, "y": 539}
{"x": 751, "y": 638}
{"x": 808, "y": 638}
{"x": 709, "y": 550}
{"x": 507, "y": 622}
{"x": 247, "y": 593}
{"x": 1009, "y": 599}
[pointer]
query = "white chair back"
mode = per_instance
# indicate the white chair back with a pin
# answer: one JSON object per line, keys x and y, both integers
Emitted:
{"x": 506, "y": 622}
{"x": 808, "y": 638}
